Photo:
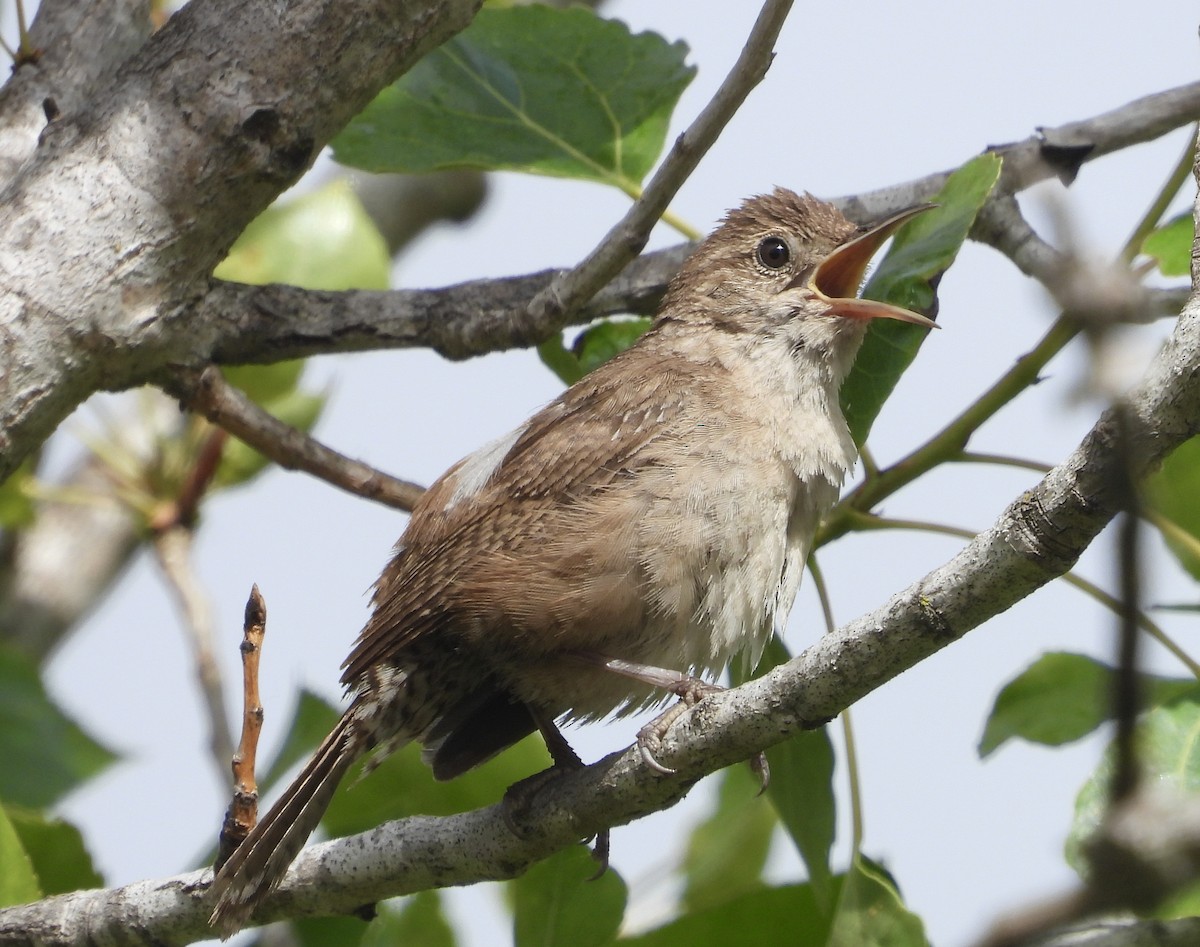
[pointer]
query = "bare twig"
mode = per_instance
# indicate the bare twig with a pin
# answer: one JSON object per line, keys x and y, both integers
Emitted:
{"x": 568, "y": 290}
{"x": 242, "y": 813}
{"x": 209, "y": 394}
{"x": 173, "y": 548}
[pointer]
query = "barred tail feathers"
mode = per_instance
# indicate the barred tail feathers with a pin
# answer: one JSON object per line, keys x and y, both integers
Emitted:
{"x": 262, "y": 860}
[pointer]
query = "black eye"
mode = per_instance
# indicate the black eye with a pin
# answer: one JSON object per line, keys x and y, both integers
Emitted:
{"x": 773, "y": 253}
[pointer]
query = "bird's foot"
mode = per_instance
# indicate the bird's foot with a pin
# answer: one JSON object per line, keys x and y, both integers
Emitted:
{"x": 518, "y": 803}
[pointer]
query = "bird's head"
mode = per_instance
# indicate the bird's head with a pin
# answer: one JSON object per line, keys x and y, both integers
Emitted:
{"x": 787, "y": 266}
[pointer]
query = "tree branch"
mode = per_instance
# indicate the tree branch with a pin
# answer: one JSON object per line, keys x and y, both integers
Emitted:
{"x": 82, "y": 45}
{"x": 1036, "y": 539}
{"x": 115, "y": 222}
{"x": 269, "y": 323}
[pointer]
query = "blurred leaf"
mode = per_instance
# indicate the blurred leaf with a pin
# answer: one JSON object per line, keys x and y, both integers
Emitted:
{"x": 323, "y": 240}
{"x": 420, "y": 921}
{"x": 1171, "y": 245}
{"x": 240, "y": 462}
{"x": 402, "y": 785}
{"x": 1063, "y": 697}
{"x": 556, "y": 905}
{"x": 1168, "y": 742}
{"x": 18, "y": 881}
{"x": 870, "y": 911}
{"x": 45, "y": 753}
{"x": 1172, "y": 492}
{"x": 921, "y": 252}
{"x": 801, "y": 787}
{"x": 16, "y": 508}
{"x": 530, "y": 88}
{"x": 312, "y": 720}
{"x": 266, "y": 383}
{"x": 594, "y": 346}
{"x": 726, "y": 852}
{"x": 417, "y": 920}
{"x": 327, "y": 932}
{"x": 56, "y": 850}
{"x": 1182, "y": 903}
{"x": 765, "y": 918}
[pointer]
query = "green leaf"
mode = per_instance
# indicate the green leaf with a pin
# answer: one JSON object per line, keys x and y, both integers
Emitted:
{"x": 45, "y": 753}
{"x": 727, "y": 852}
{"x": 56, "y": 850}
{"x": 801, "y": 788}
{"x": 921, "y": 252}
{"x": 327, "y": 932}
{"x": 16, "y": 507}
{"x": 18, "y": 881}
{"x": 765, "y": 918}
{"x": 402, "y": 785}
{"x": 870, "y": 911}
{"x": 264, "y": 384}
{"x": 1172, "y": 492}
{"x": 1063, "y": 697}
{"x": 558, "y": 904}
{"x": 594, "y": 346}
{"x": 323, "y": 240}
{"x": 1168, "y": 745}
{"x": 1171, "y": 245}
{"x": 421, "y": 921}
{"x": 529, "y": 88}
{"x": 312, "y": 720}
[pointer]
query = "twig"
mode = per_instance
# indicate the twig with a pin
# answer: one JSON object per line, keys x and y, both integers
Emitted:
{"x": 242, "y": 813}
{"x": 173, "y": 548}
{"x": 568, "y": 290}
{"x": 209, "y": 394}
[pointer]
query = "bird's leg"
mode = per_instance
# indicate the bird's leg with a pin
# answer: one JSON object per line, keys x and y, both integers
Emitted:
{"x": 518, "y": 797}
{"x": 690, "y": 691}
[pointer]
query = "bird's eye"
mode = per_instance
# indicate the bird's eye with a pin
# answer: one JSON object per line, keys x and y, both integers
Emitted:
{"x": 773, "y": 253}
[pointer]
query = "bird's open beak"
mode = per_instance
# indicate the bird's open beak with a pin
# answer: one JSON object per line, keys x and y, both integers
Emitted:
{"x": 837, "y": 278}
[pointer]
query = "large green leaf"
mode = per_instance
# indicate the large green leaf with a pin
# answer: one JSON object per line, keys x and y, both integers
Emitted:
{"x": 18, "y": 880}
{"x": 1168, "y": 757}
{"x": 727, "y": 852}
{"x": 323, "y": 240}
{"x": 871, "y": 912}
{"x": 1063, "y": 697}
{"x": 560, "y": 903}
{"x": 1171, "y": 245}
{"x": 1172, "y": 492}
{"x": 801, "y": 787}
{"x": 45, "y": 753}
{"x": 921, "y": 252}
{"x": 56, "y": 851}
{"x": 528, "y": 88}
{"x": 765, "y": 918}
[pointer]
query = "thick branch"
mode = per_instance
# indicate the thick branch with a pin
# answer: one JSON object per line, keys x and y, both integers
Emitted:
{"x": 128, "y": 203}
{"x": 1036, "y": 539}
{"x": 82, "y": 45}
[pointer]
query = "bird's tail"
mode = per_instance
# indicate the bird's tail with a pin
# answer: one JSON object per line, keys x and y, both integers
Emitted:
{"x": 262, "y": 859}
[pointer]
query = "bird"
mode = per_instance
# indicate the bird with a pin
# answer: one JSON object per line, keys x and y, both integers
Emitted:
{"x": 623, "y": 543}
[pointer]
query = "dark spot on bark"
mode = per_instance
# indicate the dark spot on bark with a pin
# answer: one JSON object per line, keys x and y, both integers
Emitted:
{"x": 262, "y": 125}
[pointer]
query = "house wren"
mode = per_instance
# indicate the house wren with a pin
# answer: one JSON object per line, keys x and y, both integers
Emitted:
{"x": 641, "y": 529}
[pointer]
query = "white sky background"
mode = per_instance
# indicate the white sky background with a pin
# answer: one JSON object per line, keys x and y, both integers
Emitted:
{"x": 860, "y": 96}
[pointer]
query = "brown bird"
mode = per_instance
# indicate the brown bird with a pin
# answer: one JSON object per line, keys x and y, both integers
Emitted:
{"x": 634, "y": 534}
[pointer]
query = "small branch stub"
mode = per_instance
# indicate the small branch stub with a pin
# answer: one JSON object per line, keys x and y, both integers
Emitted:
{"x": 242, "y": 813}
